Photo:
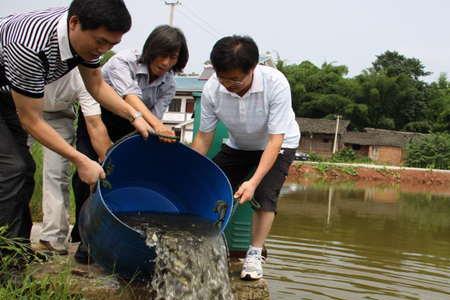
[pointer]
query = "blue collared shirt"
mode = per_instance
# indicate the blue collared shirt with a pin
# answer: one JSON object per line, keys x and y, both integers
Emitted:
{"x": 129, "y": 77}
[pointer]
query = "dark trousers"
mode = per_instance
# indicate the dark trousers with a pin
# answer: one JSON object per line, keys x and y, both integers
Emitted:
{"x": 16, "y": 173}
{"x": 237, "y": 165}
{"x": 81, "y": 190}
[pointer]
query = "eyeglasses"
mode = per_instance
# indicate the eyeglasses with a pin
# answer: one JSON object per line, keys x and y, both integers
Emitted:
{"x": 229, "y": 82}
{"x": 233, "y": 83}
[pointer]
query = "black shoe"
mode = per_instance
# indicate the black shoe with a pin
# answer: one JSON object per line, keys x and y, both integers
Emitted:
{"x": 38, "y": 256}
{"x": 82, "y": 255}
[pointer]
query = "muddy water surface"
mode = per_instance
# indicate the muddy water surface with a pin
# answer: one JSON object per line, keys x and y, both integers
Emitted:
{"x": 344, "y": 243}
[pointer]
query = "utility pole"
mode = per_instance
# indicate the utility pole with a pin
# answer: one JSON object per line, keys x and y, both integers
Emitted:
{"x": 336, "y": 134}
{"x": 172, "y": 4}
{"x": 330, "y": 197}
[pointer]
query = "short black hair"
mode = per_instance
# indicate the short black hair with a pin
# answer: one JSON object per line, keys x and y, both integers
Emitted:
{"x": 234, "y": 52}
{"x": 112, "y": 14}
{"x": 165, "y": 40}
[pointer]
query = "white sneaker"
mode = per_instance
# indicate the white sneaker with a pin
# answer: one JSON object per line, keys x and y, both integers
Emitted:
{"x": 252, "y": 268}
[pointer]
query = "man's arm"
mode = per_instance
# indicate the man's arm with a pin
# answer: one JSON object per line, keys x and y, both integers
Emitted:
{"x": 29, "y": 111}
{"x": 98, "y": 135}
{"x": 106, "y": 96}
{"x": 208, "y": 121}
{"x": 268, "y": 158}
{"x": 202, "y": 142}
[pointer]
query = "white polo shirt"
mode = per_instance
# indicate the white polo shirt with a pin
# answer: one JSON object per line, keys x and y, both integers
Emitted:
{"x": 265, "y": 109}
{"x": 62, "y": 93}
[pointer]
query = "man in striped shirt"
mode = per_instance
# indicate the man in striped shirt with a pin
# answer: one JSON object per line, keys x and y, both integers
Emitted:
{"x": 37, "y": 48}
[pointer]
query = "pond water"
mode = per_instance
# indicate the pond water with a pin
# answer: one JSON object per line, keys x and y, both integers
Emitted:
{"x": 344, "y": 243}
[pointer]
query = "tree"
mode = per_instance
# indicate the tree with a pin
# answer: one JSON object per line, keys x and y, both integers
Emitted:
{"x": 395, "y": 97}
{"x": 438, "y": 111}
{"x": 321, "y": 92}
{"x": 432, "y": 151}
{"x": 394, "y": 64}
{"x": 388, "y": 95}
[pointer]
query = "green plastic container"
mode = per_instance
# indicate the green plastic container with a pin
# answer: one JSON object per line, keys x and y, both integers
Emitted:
{"x": 238, "y": 233}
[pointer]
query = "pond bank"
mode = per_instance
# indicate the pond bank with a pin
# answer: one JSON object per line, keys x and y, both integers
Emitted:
{"x": 365, "y": 175}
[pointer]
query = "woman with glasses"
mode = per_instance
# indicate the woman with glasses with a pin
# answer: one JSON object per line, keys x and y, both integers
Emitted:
{"x": 145, "y": 80}
{"x": 254, "y": 103}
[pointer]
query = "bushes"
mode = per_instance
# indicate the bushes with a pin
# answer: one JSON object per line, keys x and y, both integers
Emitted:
{"x": 432, "y": 151}
{"x": 315, "y": 157}
{"x": 346, "y": 155}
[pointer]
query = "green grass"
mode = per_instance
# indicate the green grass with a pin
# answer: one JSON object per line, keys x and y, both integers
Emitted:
{"x": 15, "y": 284}
{"x": 349, "y": 170}
{"x": 20, "y": 284}
{"x": 323, "y": 167}
{"x": 36, "y": 200}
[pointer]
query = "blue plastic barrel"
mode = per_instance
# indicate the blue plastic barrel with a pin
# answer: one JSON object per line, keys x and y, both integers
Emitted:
{"x": 149, "y": 176}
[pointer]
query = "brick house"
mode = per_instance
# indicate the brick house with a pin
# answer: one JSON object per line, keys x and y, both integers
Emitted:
{"x": 380, "y": 145}
{"x": 318, "y": 135}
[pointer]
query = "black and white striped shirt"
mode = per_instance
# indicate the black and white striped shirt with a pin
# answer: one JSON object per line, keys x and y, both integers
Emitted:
{"x": 35, "y": 50}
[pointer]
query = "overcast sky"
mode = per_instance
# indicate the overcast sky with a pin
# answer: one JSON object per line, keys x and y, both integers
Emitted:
{"x": 349, "y": 32}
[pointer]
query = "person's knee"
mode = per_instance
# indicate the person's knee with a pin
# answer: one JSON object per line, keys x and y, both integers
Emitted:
{"x": 267, "y": 200}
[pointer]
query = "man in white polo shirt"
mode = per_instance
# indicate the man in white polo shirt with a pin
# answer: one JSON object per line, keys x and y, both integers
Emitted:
{"x": 254, "y": 103}
{"x": 59, "y": 112}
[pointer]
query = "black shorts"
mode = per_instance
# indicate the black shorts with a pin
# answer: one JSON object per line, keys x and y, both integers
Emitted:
{"x": 239, "y": 165}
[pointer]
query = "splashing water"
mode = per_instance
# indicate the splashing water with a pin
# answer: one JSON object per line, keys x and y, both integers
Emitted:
{"x": 191, "y": 256}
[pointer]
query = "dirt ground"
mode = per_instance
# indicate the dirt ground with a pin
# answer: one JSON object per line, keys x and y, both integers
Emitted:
{"x": 93, "y": 283}
{"x": 413, "y": 180}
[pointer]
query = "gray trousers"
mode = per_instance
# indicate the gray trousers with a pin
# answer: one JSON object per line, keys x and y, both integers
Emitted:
{"x": 56, "y": 180}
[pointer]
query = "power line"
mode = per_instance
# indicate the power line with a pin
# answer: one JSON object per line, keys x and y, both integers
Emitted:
{"x": 214, "y": 34}
{"x": 192, "y": 12}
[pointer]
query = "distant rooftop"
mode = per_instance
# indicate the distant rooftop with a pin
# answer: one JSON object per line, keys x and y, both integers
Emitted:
{"x": 207, "y": 72}
{"x": 189, "y": 84}
{"x": 381, "y": 137}
{"x": 266, "y": 60}
{"x": 321, "y": 125}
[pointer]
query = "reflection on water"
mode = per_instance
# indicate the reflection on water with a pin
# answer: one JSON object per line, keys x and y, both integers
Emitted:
{"x": 332, "y": 243}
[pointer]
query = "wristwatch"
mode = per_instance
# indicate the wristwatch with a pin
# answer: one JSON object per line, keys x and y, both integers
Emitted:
{"x": 136, "y": 115}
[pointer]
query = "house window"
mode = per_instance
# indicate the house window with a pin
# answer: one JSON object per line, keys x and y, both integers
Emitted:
{"x": 356, "y": 147}
{"x": 190, "y": 105}
{"x": 326, "y": 140}
{"x": 175, "y": 105}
